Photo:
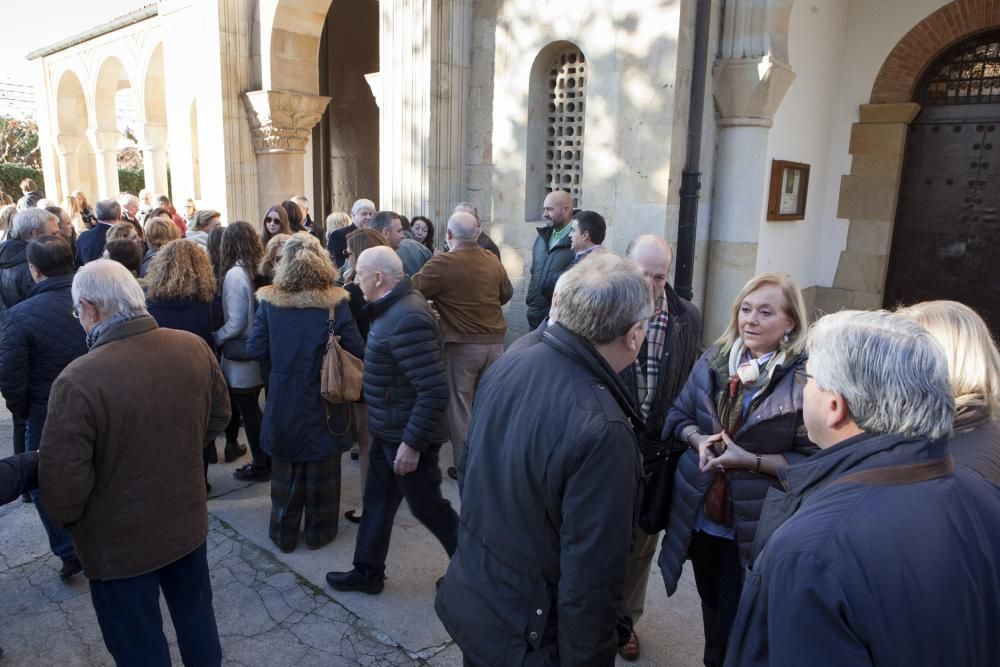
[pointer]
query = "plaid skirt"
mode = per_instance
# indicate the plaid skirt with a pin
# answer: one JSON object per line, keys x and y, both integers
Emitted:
{"x": 312, "y": 489}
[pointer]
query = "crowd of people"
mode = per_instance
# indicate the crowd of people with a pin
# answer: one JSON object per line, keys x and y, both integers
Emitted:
{"x": 833, "y": 486}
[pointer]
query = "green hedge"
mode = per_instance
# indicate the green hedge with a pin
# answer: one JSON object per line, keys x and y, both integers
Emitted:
{"x": 11, "y": 175}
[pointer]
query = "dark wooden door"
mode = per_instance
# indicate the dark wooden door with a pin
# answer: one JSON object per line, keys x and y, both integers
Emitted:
{"x": 947, "y": 231}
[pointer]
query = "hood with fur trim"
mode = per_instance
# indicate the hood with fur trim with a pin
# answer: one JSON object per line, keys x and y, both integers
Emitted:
{"x": 316, "y": 298}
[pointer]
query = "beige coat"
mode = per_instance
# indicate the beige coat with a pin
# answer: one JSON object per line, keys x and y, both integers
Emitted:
{"x": 121, "y": 453}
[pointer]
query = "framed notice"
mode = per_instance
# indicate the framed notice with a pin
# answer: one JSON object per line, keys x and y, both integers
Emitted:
{"x": 789, "y": 187}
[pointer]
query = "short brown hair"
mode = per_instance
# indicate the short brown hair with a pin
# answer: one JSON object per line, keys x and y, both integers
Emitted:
{"x": 360, "y": 240}
{"x": 160, "y": 231}
{"x": 121, "y": 230}
{"x": 28, "y": 185}
{"x": 126, "y": 252}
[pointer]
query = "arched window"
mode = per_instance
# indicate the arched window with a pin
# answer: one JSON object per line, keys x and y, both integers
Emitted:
{"x": 966, "y": 74}
{"x": 557, "y": 99}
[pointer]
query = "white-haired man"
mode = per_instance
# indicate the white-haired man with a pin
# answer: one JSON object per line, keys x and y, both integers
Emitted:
{"x": 362, "y": 213}
{"x": 550, "y": 483}
{"x": 879, "y": 551}
{"x": 469, "y": 287}
{"x": 127, "y": 480}
{"x": 15, "y": 276}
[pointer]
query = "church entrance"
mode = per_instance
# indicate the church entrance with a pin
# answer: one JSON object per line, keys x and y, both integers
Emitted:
{"x": 947, "y": 229}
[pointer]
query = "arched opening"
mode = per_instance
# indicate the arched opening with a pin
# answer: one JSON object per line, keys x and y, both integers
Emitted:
{"x": 346, "y": 140}
{"x": 946, "y": 232}
{"x": 153, "y": 139}
{"x": 76, "y": 157}
{"x": 115, "y": 139}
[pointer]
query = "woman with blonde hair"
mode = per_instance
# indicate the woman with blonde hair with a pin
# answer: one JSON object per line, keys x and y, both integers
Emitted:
{"x": 740, "y": 415}
{"x": 334, "y": 221}
{"x": 6, "y": 216}
{"x": 72, "y": 207}
{"x": 974, "y": 367}
{"x": 304, "y": 435}
{"x": 272, "y": 255}
{"x": 160, "y": 230}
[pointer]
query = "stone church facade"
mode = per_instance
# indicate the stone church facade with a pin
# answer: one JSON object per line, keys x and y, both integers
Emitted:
{"x": 419, "y": 104}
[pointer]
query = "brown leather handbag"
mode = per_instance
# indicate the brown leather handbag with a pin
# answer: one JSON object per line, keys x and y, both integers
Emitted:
{"x": 341, "y": 373}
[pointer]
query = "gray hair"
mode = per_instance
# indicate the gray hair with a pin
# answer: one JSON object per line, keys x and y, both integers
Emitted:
{"x": 467, "y": 207}
{"x": 29, "y": 221}
{"x": 362, "y": 203}
{"x": 108, "y": 210}
{"x": 110, "y": 287}
{"x": 890, "y": 371}
{"x": 602, "y": 298}
{"x": 463, "y": 226}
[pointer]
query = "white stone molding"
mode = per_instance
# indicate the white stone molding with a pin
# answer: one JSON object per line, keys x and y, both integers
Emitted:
{"x": 282, "y": 122}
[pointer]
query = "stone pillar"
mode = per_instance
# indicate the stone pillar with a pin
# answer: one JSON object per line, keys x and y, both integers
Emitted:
{"x": 67, "y": 146}
{"x": 154, "y": 157}
{"x": 281, "y": 125}
{"x": 748, "y": 92}
{"x": 422, "y": 107}
{"x": 105, "y": 144}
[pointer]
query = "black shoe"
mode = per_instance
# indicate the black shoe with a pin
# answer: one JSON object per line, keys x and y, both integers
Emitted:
{"x": 452, "y": 472}
{"x": 70, "y": 567}
{"x": 353, "y": 516}
{"x": 234, "y": 450}
{"x": 353, "y": 580}
{"x": 26, "y": 498}
{"x": 213, "y": 454}
{"x": 252, "y": 473}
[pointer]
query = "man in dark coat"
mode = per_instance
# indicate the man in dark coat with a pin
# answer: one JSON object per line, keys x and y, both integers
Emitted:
{"x": 550, "y": 483}
{"x": 362, "y": 213}
{"x": 90, "y": 244}
{"x": 672, "y": 346}
{"x": 40, "y": 338}
{"x": 880, "y": 552}
{"x": 407, "y": 395}
{"x": 550, "y": 255}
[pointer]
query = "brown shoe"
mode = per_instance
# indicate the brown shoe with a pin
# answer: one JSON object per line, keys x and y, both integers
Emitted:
{"x": 630, "y": 651}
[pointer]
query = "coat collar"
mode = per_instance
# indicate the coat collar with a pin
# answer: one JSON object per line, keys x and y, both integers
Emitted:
{"x": 546, "y": 232}
{"x": 53, "y": 284}
{"x": 376, "y": 308}
{"x": 133, "y": 327}
{"x": 318, "y": 298}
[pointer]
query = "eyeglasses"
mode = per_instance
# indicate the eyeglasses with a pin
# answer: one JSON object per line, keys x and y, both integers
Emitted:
{"x": 76, "y": 311}
{"x": 273, "y": 219}
{"x": 801, "y": 377}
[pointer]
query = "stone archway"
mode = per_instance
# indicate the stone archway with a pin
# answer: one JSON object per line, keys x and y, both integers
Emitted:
{"x": 868, "y": 195}
{"x": 75, "y": 154}
{"x": 112, "y": 76}
{"x": 154, "y": 123}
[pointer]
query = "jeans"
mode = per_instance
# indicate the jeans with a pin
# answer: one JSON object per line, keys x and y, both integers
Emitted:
{"x": 128, "y": 611}
{"x": 385, "y": 490}
{"x": 60, "y": 541}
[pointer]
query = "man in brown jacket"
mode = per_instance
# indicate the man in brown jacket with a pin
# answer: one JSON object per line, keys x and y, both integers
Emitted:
{"x": 121, "y": 468}
{"x": 468, "y": 286}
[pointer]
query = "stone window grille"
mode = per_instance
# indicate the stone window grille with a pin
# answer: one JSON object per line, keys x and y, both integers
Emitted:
{"x": 567, "y": 92}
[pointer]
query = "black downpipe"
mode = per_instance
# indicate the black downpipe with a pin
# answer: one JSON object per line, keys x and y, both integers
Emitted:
{"x": 687, "y": 227}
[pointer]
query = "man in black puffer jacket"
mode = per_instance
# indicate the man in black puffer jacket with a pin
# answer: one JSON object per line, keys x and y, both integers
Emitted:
{"x": 407, "y": 395}
{"x": 40, "y": 338}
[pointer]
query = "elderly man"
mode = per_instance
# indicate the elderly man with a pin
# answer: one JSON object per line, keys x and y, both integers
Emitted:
{"x": 469, "y": 287}
{"x": 90, "y": 244}
{"x": 127, "y": 480}
{"x": 880, "y": 551}
{"x": 361, "y": 215}
{"x": 654, "y": 379}
{"x": 407, "y": 395}
{"x": 550, "y": 482}
{"x": 551, "y": 254}
{"x": 412, "y": 253}
{"x": 130, "y": 210}
{"x": 39, "y": 340}
{"x": 483, "y": 240}
{"x": 15, "y": 276}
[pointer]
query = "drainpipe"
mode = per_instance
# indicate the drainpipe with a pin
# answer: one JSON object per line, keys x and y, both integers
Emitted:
{"x": 687, "y": 227}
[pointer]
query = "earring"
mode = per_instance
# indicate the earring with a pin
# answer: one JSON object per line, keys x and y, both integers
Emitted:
{"x": 784, "y": 339}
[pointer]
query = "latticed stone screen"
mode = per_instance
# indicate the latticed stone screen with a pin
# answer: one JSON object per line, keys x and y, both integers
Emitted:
{"x": 567, "y": 83}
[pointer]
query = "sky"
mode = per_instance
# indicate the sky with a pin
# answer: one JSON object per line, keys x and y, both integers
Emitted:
{"x": 40, "y": 23}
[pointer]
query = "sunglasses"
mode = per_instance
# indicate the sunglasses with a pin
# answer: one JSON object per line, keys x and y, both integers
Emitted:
{"x": 272, "y": 219}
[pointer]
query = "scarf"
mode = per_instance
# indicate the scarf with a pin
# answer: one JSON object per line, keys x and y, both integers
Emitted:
{"x": 103, "y": 327}
{"x": 648, "y": 374}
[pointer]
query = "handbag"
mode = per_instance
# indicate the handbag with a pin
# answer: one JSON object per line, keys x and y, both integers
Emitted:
{"x": 659, "y": 463}
{"x": 341, "y": 372}
{"x": 235, "y": 349}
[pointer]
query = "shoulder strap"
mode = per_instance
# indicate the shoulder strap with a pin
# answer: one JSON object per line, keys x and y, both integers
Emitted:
{"x": 901, "y": 475}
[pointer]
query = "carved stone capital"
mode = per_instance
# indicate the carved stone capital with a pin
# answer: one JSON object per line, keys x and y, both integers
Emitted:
{"x": 282, "y": 122}
{"x": 749, "y": 90}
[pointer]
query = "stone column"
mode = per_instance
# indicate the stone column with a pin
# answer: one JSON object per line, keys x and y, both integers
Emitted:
{"x": 281, "y": 125}
{"x": 67, "y": 146}
{"x": 154, "y": 157}
{"x": 748, "y": 92}
{"x": 105, "y": 143}
{"x": 424, "y": 64}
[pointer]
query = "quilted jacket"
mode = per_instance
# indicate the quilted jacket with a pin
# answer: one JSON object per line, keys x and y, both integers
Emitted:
{"x": 40, "y": 338}
{"x": 15, "y": 277}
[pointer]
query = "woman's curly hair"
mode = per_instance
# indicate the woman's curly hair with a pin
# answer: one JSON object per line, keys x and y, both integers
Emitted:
{"x": 305, "y": 265}
{"x": 180, "y": 270}
{"x": 240, "y": 245}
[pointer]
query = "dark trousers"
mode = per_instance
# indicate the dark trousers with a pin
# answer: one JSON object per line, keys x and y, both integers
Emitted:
{"x": 128, "y": 611}
{"x": 244, "y": 404}
{"x": 311, "y": 488}
{"x": 385, "y": 490}
{"x": 20, "y": 426}
{"x": 60, "y": 541}
{"x": 719, "y": 579}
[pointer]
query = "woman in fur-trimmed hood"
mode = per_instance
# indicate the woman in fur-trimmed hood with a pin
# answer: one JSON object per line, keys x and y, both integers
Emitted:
{"x": 304, "y": 435}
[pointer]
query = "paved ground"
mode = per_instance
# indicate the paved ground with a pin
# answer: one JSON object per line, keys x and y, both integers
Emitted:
{"x": 274, "y": 608}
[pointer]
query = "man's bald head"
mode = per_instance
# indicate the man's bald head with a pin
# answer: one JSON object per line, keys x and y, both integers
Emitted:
{"x": 378, "y": 270}
{"x": 463, "y": 230}
{"x": 558, "y": 208}
{"x": 654, "y": 258}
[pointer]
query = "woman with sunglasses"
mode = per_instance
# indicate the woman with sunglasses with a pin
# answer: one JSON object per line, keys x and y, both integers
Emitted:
{"x": 275, "y": 222}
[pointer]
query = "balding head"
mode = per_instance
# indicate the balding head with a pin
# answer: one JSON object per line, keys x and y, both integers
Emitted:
{"x": 558, "y": 208}
{"x": 467, "y": 207}
{"x": 654, "y": 257}
{"x": 378, "y": 270}
{"x": 463, "y": 230}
